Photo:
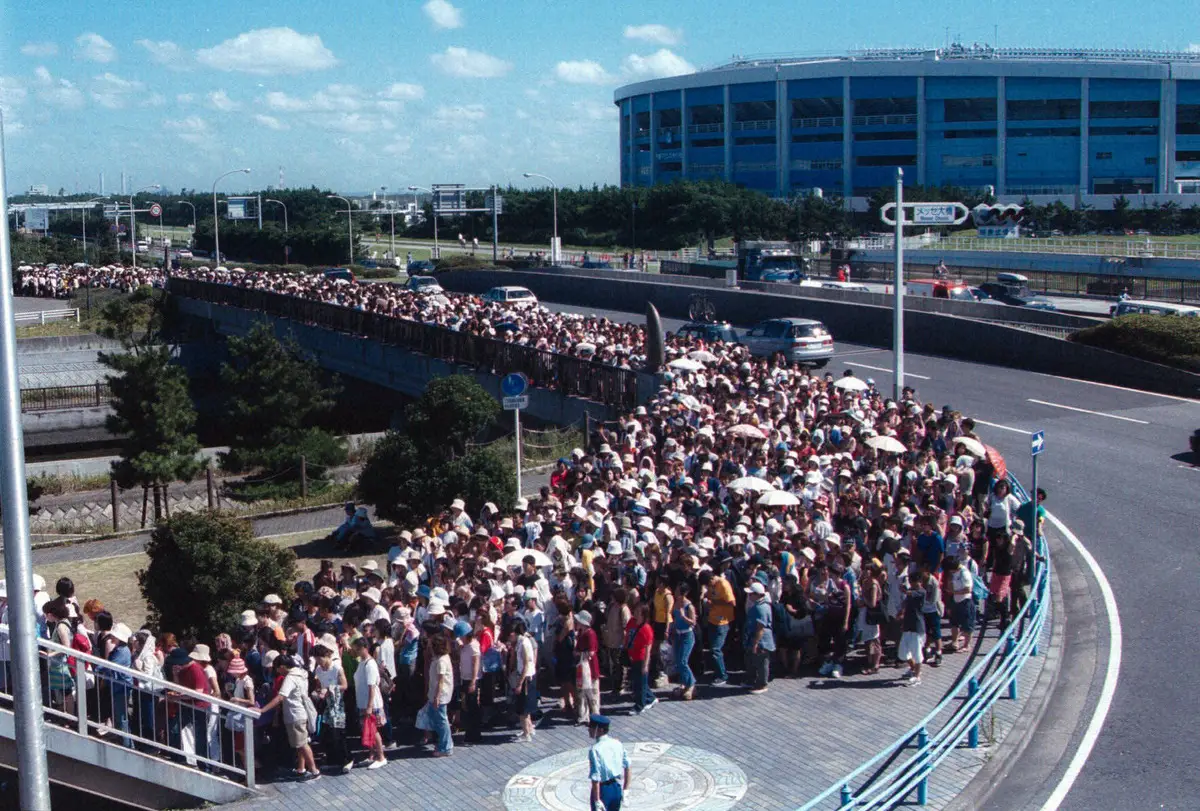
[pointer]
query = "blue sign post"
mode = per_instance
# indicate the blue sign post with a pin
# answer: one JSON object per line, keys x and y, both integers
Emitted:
{"x": 1037, "y": 444}
{"x": 513, "y": 386}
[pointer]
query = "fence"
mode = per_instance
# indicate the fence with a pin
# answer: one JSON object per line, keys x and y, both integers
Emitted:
{"x": 1087, "y": 246}
{"x": 54, "y": 398}
{"x": 957, "y": 717}
{"x": 126, "y": 707}
{"x": 46, "y": 316}
{"x": 569, "y": 376}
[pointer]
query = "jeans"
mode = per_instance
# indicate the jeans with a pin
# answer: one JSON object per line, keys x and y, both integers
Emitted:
{"x": 642, "y": 695}
{"x": 684, "y": 643}
{"x": 441, "y": 729}
{"x": 611, "y": 795}
{"x": 717, "y": 634}
{"x": 471, "y": 715}
{"x": 758, "y": 668}
{"x": 120, "y": 711}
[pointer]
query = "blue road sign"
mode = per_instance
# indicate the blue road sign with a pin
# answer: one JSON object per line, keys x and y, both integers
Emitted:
{"x": 1037, "y": 442}
{"x": 514, "y": 384}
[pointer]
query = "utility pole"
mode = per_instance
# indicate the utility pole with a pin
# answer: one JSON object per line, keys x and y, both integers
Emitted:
{"x": 496, "y": 237}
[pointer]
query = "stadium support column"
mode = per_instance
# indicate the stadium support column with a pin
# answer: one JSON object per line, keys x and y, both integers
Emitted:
{"x": 1001, "y": 138}
{"x": 847, "y": 143}
{"x": 1166, "y": 137}
{"x": 683, "y": 133}
{"x": 783, "y": 138}
{"x": 653, "y": 141}
{"x": 920, "y": 130}
{"x": 728, "y": 124}
{"x": 1085, "y": 118}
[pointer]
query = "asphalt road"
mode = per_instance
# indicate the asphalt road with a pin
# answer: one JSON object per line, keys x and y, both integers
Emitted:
{"x": 1119, "y": 475}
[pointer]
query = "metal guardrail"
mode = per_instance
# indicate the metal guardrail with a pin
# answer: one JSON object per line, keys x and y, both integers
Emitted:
{"x": 1127, "y": 247}
{"x": 569, "y": 376}
{"x": 46, "y": 316}
{"x": 125, "y": 707}
{"x": 55, "y": 398}
{"x": 954, "y": 719}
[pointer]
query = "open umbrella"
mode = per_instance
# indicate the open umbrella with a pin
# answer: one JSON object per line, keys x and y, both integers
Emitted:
{"x": 747, "y": 431}
{"x": 517, "y": 557}
{"x": 751, "y": 483}
{"x": 686, "y": 364}
{"x": 777, "y": 498}
{"x": 886, "y": 444}
{"x": 585, "y": 347}
{"x": 999, "y": 466}
{"x": 850, "y": 384}
{"x": 689, "y": 401}
{"x": 703, "y": 355}
{"x": 973, "y": 446}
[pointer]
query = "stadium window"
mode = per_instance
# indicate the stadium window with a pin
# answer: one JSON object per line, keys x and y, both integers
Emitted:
{"x": 669, "y": 118}
{"x": 670, "y": 166}
{"x": 968, "y": 161}
{"x": 905, "y": 105}
{"x": 757, "y": 140}
{"x": 703, "y": 143}
{"x": 642, "y": 121}
{"x": 886, "y": 160}
{"x": 754, "y": 111}
{"x": 706, "y": 114}
{"x": 902, "y": 135}
{"x": 1187, "y": 155}
{"x": 1187, "y": 119}
{"x": 1043, "y": 132}
{"x": 643, "y": 147}
{"x": 981, "y": 109}
{"x": 1123, "y": 109}
{"x": 951, "y": 135}
{"x": 823, "y": 138}
{"x": 1146, "y": 130}
{"x": 1103, "y": 156}
{"x": 824, "y": 107}
{"x": 1043, "y": 110}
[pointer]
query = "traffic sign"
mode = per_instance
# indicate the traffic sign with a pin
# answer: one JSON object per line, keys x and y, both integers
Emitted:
{"x": 927, "y": 213}
{"x": 513, "y": 385}
{"x": 1037, "y": 442}
{"x": 155, "y": 210}
{"x": 515, "y": 403}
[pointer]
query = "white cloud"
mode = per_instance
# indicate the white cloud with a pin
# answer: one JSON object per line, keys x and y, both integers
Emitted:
{"x": 193, "y": 129}
{"x": 40, "y": 49}
{"x": 582, "y": 71}
{"x": 113, "y": 92}
{"x": 95, "y": 48}
{"x": 458, "y": 114}
{"x": 154, "y": 100}
{"x": 653, "y": 32}
{"x": 219, "y": 100}
{"x": 270, "y": 122}
{"x": 165, "y": 52}
{"x": 334, "y": 98}
{"x": 57, "y": 92}
{"x": 11, "y": 92}
{"x": 400, "y": 145}
{"x": 402, "y": 91}
{"x": 467, "y": 64}
{"x": 354, "y": 123}
{"x": 268, "y": 51}
{"x": 657, "y": 65}
{"x": 186, "y": 98}
{"x": 442, "y": 14}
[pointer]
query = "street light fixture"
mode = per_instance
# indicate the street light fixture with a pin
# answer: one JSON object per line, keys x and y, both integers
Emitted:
{"x": 193, "y": 207}
{"x": 217, "y": 219}
{"x": 554, "y": 187}
{"x": 437, "y": 254}
{"x": 286, "y": 247}
{"x": 85, "y": 213}
{"x": 349, "y": 221}
{"x": 133, "y": 222}
{"x": 392, "y": 212}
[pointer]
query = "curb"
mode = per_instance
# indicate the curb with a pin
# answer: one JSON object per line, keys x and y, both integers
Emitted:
{"x": 988, "y": 779}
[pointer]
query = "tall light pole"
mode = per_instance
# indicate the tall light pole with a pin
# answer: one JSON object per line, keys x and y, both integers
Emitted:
{"x": 25, "y": 685}
{"x": 286, "y": 247}
{"x": 133, "y": 222}
{"x": 437, "y": 254}
{"x": 85, "y": 213}
{"x": 349, "y": 221}
{"x": 392, "y": 212}
{"x": 554, "y": 187}
{"x": 193, "y": 207}
{"x": 217, "y": 219}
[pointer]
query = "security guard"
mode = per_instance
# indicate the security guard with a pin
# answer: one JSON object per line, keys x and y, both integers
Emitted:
{"x": 608, "y": 765}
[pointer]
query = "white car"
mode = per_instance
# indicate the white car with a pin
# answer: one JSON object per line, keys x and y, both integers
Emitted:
{"x": 185, "y": 254}
{"x": 512, "y": 296}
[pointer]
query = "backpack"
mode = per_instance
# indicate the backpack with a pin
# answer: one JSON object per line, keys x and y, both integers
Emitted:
{"x": 386, "y": 684}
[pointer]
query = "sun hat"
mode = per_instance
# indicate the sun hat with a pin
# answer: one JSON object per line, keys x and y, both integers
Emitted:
{"x": 583, "y": 618}
{"x": 237, "y": 667}
{"x": 458, "y": 504}
{"x": 756, "y": 588}
{"x": 200, "y": 653}
{"x": 178, "y": 657}
{"x": 121, "y": 632}
{"x": 461, "y": 628}
{"x": 272, "y": 599}
{"x": 249, "y": 618}
{"x": 373, "y": 594}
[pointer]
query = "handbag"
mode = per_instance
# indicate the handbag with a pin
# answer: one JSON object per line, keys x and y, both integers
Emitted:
{"x": 370, "y": 729}
{"x": 876, "y": 615}
{"x": 310, "y": 710}
{"x": 425, "y": 718}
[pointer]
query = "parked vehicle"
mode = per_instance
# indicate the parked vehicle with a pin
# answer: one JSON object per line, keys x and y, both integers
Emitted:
{"x": 421, "y": 266}
{"x": 1016, "y": 294}
{"x": 595, "y": 264}
{"x": 512, "y": 295}
{"x": 938, "y": 288}
{"x": 184, "y": 254}
{"x": 710, "y": 332}
{"x": 857, "y": 287}
{"x": 770, "y": 262}
{"x": 801, "y": 340}
{"x": 423, "y": 284}
{"x": 1138, "y": 307}
{"x": 334, "y": 274}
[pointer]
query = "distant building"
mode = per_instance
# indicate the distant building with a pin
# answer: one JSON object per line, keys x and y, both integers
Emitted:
{"x": 39, "y": 188}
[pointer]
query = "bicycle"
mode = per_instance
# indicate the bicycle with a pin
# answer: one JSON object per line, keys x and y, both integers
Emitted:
{"x": 700, "y": 308}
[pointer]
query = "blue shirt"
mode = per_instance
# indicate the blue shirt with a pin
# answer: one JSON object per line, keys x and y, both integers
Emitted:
{"x": 607, "y": 760}
{"x": 759, "y": 614}
{"x": 932, "y": 548}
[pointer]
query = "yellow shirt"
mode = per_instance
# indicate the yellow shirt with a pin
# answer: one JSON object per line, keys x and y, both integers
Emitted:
{"x": 721, "y": 602}
{"x": 664, "y": 601}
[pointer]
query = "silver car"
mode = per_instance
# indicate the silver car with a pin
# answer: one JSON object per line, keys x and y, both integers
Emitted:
{"x": 801, "y": 340}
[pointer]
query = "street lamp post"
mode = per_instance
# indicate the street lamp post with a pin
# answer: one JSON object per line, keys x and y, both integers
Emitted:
{"x": 85, "y": 213}
{"x": 286, "y": 247}
{"x": 554, "y": 191}
{"x": 437, "y": 254}
{"x": 193, "y": 207}
{"x": 392, "y": 212}
{"x": 349, "y": 221}
{"x": 217, "y": 219}
{"x": 133, "y": 222}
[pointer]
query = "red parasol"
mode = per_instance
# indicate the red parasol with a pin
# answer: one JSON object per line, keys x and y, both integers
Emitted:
{"x": 997, "y": 462}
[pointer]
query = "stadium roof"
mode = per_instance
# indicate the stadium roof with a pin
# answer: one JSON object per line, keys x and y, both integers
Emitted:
{"x": 970, "y": 52}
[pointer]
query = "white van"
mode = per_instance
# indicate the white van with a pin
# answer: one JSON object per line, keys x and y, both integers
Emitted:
{"x": 1136, "y": 307}
{"x": 1014, "y": 279}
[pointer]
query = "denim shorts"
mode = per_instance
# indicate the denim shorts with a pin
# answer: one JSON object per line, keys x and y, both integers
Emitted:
{"x": 933, "y": 626}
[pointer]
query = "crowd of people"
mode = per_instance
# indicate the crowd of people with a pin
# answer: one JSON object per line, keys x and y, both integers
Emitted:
{"x": 61, "y": 281}
{"x": 750, "y": 522}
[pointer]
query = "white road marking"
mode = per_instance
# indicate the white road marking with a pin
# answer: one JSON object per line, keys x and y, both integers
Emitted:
{"x": 1121, "y": 388}
{"x": 889, "y": 371}
{"x": 1001, "y": 427}
{"x": 1108, "y": 689}
{"x": 1088, "y": 411}
{"x": 1185, "y": 467}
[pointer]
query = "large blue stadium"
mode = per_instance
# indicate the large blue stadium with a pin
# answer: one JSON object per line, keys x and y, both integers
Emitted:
{"x": 1063, "y": 123}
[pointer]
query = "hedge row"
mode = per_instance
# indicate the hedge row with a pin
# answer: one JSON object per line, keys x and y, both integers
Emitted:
{"x": 1169, "y": 339}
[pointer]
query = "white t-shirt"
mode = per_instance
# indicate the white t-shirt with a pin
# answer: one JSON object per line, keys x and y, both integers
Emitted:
{"x": 292, "y": 690}
{"x": 328, "y": 677}
{"x": 366, "y": 676}
{"x": 1000, "y": 516}
{"x": 441, "y": 681}
{"x": 962, "y": 579}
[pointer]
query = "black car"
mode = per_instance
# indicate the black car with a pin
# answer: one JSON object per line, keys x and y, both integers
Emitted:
{"x": 717, "y": 331}
{"x": 422, "y": 267}
{"x": 1016, "y": 296}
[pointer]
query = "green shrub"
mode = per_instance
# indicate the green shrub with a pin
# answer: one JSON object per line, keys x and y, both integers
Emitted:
{"x": 460, "y": 261}
{"x": 1168, "y": 339}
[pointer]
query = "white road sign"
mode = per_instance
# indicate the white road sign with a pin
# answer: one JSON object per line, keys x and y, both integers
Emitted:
{"x": 513, "y": 403}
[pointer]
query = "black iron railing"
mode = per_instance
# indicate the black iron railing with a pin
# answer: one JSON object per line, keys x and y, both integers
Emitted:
{"x": 55, "y": 398}
{"x": 549, "y": 370}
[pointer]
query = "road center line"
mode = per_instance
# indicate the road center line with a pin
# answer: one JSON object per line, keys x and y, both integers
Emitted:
{"x": 881, "y": 369}
{"x": 1121, "y": 388}
{"x": 1088, "y": 411}
{"x": 1108, "y": 689}
{"x": 1001, "y": 427}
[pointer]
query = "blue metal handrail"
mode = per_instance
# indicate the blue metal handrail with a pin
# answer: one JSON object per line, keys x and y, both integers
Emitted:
{"x": 1018, "y": 642}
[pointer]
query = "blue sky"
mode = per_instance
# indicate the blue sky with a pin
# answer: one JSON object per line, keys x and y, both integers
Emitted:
{"x": 358, "y": 95}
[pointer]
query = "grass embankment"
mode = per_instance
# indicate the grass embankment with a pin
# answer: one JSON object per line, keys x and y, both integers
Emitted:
{"x": 1166, "y": 339}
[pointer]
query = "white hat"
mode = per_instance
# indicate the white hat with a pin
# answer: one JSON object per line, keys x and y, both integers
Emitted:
{"x": 39, "y": 582}
{"x": 272, "y": 599}
{"x": 370, "y": 566}
{"x": 437, "y": 607}
{"x": 200, "y": 653}
{"x": 121, "y": 632}
{"x": 458, "y": 504}
{"x": 249, "y": 618}
{"x": 756, "y": 588}
{"x": 373, "y": 594}
{"x": 521, "y": 504}
{"x": 956, "y": 520}
{"x": 613, "y": 548}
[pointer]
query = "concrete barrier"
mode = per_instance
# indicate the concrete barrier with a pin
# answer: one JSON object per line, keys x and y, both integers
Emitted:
{"x": 929, "y": 333}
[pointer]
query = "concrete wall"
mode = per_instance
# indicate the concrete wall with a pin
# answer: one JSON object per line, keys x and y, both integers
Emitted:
{"x": 64, "y": 419}
{"x": 64, "y": 343}
{"x": 925, "y": 332}
{"x": 1156, "y": 267}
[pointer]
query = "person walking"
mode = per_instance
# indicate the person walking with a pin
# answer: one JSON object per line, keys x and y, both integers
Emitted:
{"x": 369, "y": 701}
{"x": 683, "y": 627}
{"x": 440, "y": 689}
{"x": 641, "y": 638}
{"x": 470, "y": 660}
{"x": 721, "y": 610}
{"x": 293, "y": 696}
{"x": 608, "y": 766}
{"x": 759, "y": 639}
{"x": 587, "y": 686}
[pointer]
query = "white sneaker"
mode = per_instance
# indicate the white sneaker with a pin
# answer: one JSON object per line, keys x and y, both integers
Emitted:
{"x": 908, "y": 675}
{"x": 836, "y": 673}
{"x": 522, "y": 738}
{"x": 377, "y": 764}
{"x": 391, "y": 747}
{"x": 348, "y": 767}
{"x": 913, "y": 682}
